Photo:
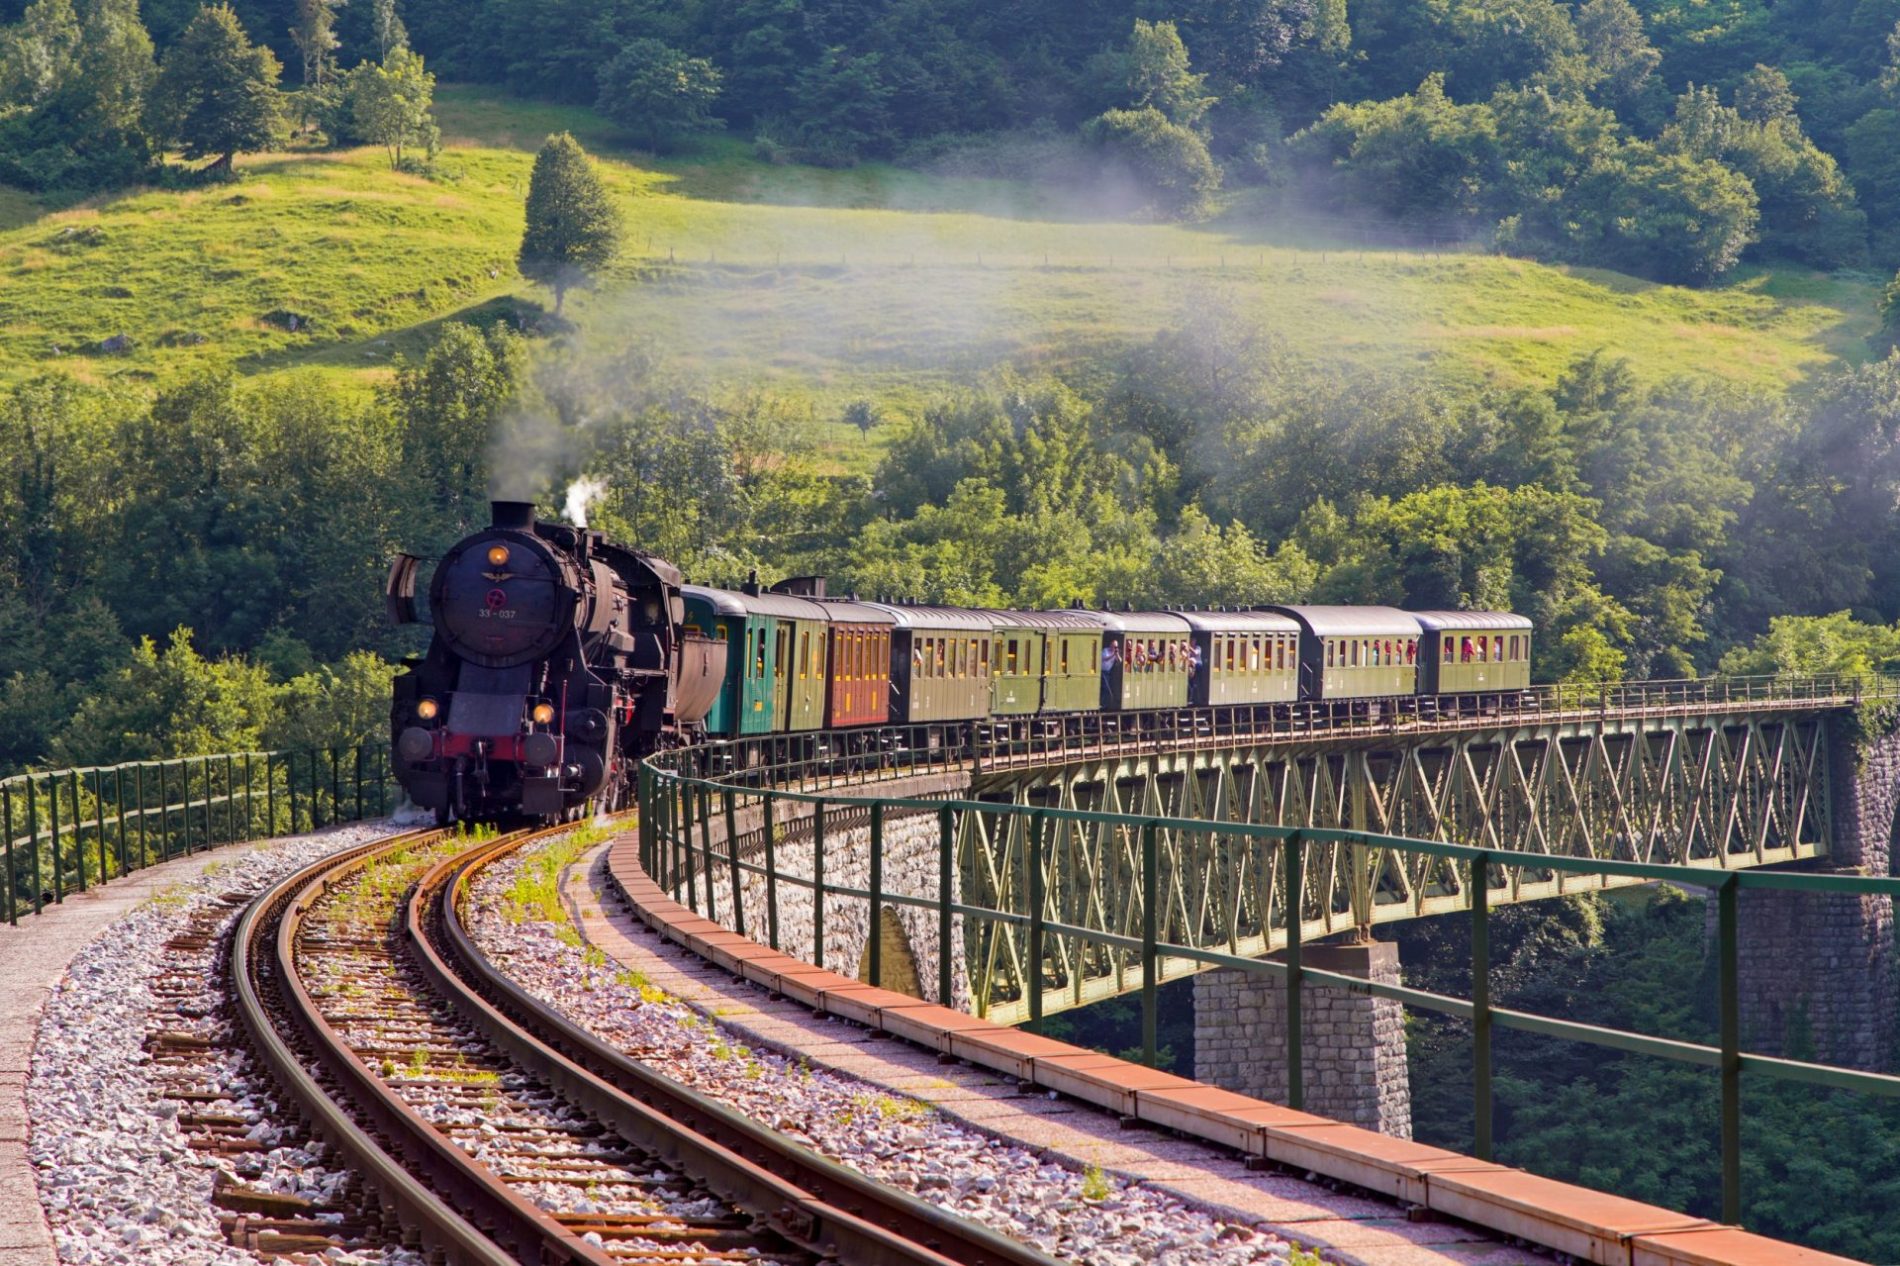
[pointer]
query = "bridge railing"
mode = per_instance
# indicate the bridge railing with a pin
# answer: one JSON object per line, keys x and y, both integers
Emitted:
{"x": 62, "y": 831}
{"x": 692, "y": 809}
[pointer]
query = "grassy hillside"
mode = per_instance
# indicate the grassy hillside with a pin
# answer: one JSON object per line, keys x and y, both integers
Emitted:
{"x": 873, "y": 281}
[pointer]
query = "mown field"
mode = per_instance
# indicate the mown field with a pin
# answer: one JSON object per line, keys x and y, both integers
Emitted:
{"x": 871, "y": 282}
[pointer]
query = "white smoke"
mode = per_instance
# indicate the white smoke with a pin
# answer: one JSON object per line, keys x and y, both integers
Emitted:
{"x": 582, "y": 493}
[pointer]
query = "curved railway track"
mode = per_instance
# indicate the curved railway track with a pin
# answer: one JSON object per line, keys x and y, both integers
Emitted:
{"x": 489, "y": 1129}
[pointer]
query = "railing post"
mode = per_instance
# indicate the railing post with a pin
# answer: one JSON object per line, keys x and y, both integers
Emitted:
{"x": 99, "y": 820}
{"x": 59, "y": 862}
{"x": 732, "y": 851}
{"x": 1293, "y": 903}
{"x": 78, "y": 821}
{"x": 705, "y": 839}
{"x": 33, "y": 847}
{"x": 6, "y": 826}
{"x": 118, "y": 797}
{"x": 290, "y": 785}
{"x": 270, "y": 794}
{"x": 336, "y": 786}
{"x": 818, "y": 884}
{"x": 688, "y": 803}
{"x": 316, "y": 788}
{"x": 1481, "y": 1005}
{"x": 771, "y": 872}
{"x": 1150, "y": 958}
{"x": 946, "y": 867}
{"x": 209, "y": 839}
{"x": 876, "y": 943}
{"x": 1033, "y": 985}
{"x": 230, "y": 797}
{"x": 357, "y": 770}
{"x": 164, "y": 815}
{"x": 1728, "y": 948}
{"x": 138, "y": 794}
{"x": 250, "y": 795}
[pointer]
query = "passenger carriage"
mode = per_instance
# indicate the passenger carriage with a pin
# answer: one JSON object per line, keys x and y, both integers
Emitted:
{"x": 1474, "y": 655}
{"x": 1243, "y": 657}
{"x": 1348, "y": 654}
{"x": 775, "y": 675}
{"x": 939, "y": 664}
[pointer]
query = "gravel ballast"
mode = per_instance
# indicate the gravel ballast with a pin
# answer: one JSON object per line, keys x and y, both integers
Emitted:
{"x": 117, "y": 1177}
{"x": 1088, "y": 1217}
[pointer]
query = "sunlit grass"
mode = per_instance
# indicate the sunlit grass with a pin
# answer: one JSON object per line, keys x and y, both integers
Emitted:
{"x": 826, "y": 286}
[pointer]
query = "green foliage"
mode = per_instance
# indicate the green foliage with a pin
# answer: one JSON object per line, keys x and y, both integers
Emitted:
{"x": 573, "y": 230}
{"x": 1167, "y": 163}
{"x": 1816, "y": 644}
{"x": 389, "y": 104}
{"x": 216, "y": 93}
{"x": 72, "y": 89}
{"x": 1151, "y": 72}
{"x": 170, "y": 702}
{"x": 659, "y": 93}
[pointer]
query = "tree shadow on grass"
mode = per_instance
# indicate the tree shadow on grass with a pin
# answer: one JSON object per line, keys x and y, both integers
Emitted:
{"x": 510, "y": 311}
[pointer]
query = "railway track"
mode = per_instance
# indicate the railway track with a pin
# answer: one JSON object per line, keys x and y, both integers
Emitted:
{"x": 488, "y": 1129}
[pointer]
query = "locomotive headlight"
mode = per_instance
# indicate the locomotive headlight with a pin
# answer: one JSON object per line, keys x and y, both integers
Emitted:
{"x": 497, "y": 555}
{"x": 427, "y": 708}
{"x": 543, "y": 713}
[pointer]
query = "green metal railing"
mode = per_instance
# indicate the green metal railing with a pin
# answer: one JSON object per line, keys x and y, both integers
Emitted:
{"x": 691, "y": 845}
{"x": 62, "y": 831}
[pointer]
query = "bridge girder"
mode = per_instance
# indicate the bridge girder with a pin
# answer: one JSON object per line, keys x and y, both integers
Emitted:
{"x": 1722, "y": 791}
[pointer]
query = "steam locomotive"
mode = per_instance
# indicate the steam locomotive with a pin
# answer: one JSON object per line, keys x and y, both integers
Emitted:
{"x": 559, "y": 660}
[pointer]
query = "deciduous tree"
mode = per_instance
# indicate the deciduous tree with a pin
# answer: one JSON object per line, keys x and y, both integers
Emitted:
{"x": 216, "y": 95}
{"x": 573, "y": 230}
{"x": 658, "y": 93}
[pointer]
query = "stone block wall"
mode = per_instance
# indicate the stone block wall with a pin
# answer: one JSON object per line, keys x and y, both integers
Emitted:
{"x": 1352, "y": 1046}
{"x": 1824, "y": 964}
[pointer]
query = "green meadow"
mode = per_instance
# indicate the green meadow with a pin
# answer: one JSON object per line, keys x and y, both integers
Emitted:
{"x": 872, "y": 282}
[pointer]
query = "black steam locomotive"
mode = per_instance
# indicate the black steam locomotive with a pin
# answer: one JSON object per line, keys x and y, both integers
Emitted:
{"x": 559, "y": 660}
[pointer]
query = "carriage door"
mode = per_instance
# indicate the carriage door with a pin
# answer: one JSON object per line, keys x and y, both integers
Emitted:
{"x": 783, "y": 668}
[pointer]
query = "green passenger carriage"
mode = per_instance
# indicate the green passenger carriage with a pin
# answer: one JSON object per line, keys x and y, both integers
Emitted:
{"x": 1473, "y": 652}
{"x": 1355, "y": 652}
{"x": 1146, "y": 658}
{"x": 775, "y": 679}
{"x": 940, "y": 663}
{"x": 1044, "y": 661}
{"x": 1243, "y": 657}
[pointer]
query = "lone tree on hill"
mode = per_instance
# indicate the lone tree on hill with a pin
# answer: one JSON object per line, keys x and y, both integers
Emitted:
{"x": 216, "y": 92}
{"x": 573, "y": 231}
{"x": 389, "y": 103}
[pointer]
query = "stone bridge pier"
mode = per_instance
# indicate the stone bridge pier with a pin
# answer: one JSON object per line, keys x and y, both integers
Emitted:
{"x": 1352, "y": 1046}
{"x": 1818, "y": 969}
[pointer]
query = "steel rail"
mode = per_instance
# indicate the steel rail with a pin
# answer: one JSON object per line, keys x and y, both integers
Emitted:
{"x": 489, "y": 1223}
{"x": 808, "y": 1198}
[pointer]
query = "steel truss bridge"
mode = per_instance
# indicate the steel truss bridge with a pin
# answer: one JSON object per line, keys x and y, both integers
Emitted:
{"x": 1224, "y": 834}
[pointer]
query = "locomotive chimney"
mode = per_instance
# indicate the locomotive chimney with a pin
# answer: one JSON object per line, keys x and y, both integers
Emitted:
{"x": 518, "y": 515}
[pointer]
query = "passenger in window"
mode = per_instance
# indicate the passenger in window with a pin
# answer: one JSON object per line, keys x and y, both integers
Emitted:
{"x": 1464, "y": 651}
{"x": 1497, "y": 648}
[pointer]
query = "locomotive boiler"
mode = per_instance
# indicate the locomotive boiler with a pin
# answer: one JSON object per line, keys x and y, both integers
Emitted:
{"x": 558, "y": 660}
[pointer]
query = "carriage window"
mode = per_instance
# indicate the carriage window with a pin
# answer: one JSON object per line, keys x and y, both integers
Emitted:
{"x": 983, "y": 650}
{"x": 1497, "y": 648}
{"x": 759, "y": 642}
{"x": 804, "y": 654}
{"x": 1451, "y": 649}
{"x": 1411, "y": 651}
{"x": 1483, "y": 647}
{"x": 1329, "y": 652}
{"x": 1464, "y": 650}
